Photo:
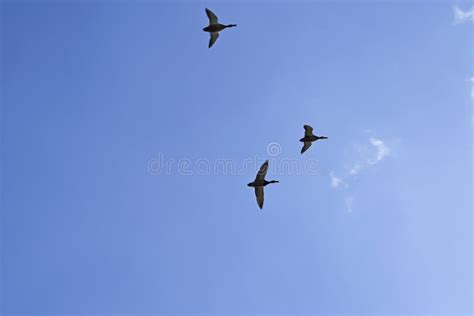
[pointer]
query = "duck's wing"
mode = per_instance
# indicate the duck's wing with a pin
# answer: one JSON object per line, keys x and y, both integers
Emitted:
{"x": 213, "y": 39}
{"x": 212, "y": 17}
{"x": 259, "y": 196}
{"x": 308, "y": 131}
{"x": 305, "y": 147}
{"x": 263, "y": 171}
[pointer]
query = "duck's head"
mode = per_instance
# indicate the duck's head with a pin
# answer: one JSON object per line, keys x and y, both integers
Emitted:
{"x": 270, "y": 182}
{"x": 249, "y": 184}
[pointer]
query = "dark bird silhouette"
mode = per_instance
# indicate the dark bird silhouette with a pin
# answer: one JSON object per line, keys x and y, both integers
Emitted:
{"x": 309, "y": 138}
{"x": 260, "y": 182}
{"x": 214, "y": 27}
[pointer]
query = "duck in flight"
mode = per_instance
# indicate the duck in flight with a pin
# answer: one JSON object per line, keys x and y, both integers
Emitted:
{"x": 214, "y": 27}
{"x": 260, "y": 182}
{"x": 309, "y": 138}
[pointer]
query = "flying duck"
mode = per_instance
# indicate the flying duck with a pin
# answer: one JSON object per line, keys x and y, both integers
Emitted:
{"x": 309, "y": 138}
{"x": 214, "y": 27}
{"x": 260, "y": 182}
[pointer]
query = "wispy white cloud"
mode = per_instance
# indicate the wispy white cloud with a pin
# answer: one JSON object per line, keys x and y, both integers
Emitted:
{"x": 362, "y": 155}
{"x": 335, "y": 181}
{"x": 366, "y": 155}
{"x": 382, "y": 150}
{"x": 355, "y": 169}
{"x": 461, "y": 16}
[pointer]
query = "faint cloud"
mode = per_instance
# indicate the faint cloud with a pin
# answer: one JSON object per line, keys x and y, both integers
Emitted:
{"x": 362, "y": 155}
{"x": 349, "y": 200}
{"x": 367, "y": 154}
{"x": 472, "y": 87}
{"x": 382, "y": 150}
{"x": 355, "y": 169}
{"x": 335, "y": 181}
{"x": 472, "y": 98}
{"x": 461, "y": 16}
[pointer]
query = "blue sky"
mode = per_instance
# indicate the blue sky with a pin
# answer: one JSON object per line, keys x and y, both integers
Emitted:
{"x": 93, "y": 91}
